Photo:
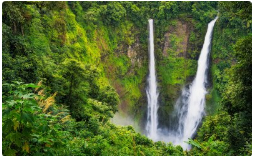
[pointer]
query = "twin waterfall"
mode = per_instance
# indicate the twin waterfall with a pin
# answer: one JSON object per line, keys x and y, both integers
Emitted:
{"x": 189, "y": 108}
{"x": 152, "y": 94}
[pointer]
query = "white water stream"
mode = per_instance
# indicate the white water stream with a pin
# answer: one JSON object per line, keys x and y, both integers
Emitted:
{"x": 151, "y": 90}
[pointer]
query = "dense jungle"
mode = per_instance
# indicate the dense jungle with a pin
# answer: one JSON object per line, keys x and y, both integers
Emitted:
{"x": 75, "y": 74}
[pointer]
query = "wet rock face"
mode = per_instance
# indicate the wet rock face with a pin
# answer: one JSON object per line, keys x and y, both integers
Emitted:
{"x": 132, "y": 53}
{"x": 181, "y": 31}
{"x": 166, "y": 43}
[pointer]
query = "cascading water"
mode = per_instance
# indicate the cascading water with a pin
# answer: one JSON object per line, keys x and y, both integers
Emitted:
{"x": 151, "y": 90}
{"x": 190, "y": 106}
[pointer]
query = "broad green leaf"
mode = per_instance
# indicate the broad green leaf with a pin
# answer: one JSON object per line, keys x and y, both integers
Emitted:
{"x": 29, "y": 95}
{"x": 16, "y": 125}
{"x": 11, "y": 103}
{"x": 31, "y": 85}
{"x": 193, "y": 143}
{"x": 10, "y": 152}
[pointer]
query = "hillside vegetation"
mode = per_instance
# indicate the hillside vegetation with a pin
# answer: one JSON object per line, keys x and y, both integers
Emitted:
{"x": 68, "y": 67}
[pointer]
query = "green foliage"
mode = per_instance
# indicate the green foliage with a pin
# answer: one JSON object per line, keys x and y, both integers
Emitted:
{"x": 217, "y": 125}
{"x": 14, "y": 14}
{"x": 34, "y": 125}
{"x": 176, "y": 70}
{"x": 240, "y": 82}
{"x": 18, "y": 109}
{"x": 212, "y": 137}
{"x": 209, "y": 148}
{"x": 28, "y": 128}
{"x": 113, "y": 13}
{"x": 237, "y": 98}
{"x": 204, "y": 11}
{"x": 234, "y": 10}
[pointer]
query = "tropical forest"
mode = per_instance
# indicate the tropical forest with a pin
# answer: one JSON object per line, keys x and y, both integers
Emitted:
{"x": 126, "y": 78}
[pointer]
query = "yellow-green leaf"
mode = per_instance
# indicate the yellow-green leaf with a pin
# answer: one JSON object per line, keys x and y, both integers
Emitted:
{"x": 16, "y": 125}
{"x": 26, "y": 147}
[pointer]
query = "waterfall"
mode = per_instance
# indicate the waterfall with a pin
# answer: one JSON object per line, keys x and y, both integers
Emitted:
{"x": 190, "y": 106}
{"x": 151, "y": 90}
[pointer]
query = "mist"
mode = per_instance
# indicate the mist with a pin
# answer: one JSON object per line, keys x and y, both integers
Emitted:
{"x": 125, "y": 120}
